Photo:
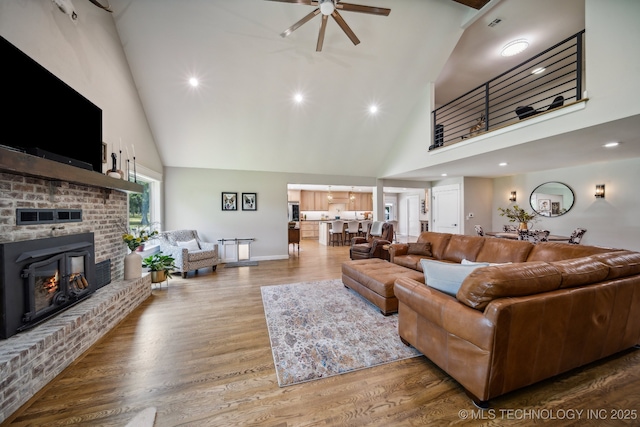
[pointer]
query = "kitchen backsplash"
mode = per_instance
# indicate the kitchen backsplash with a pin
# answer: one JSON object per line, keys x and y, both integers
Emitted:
{"x": 331, "y": 214}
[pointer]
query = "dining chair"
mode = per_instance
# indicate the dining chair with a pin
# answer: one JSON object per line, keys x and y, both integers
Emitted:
{"x": 534, "y": 236}
{"x": 479, "y": 230}
{"x": 353, "y": 229}
{"x": 576, "y": 236}
{"x": 336, "y": 233}
{"x": 395, "y": 227}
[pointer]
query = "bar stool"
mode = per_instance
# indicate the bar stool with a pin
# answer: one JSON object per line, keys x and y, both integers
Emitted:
{"x": 336, "y": 233}
{"x": 364, "y": 228}
{"x": 353, "y": 229}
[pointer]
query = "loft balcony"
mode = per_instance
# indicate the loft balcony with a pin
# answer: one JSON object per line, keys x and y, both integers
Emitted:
{"x": 548, "y": 81}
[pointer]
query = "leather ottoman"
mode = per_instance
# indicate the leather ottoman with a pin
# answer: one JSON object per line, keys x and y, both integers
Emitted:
{"x": 373, "y": 278}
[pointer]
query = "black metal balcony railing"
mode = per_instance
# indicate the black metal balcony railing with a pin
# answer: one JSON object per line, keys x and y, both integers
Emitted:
{"x": 514, "y": 95}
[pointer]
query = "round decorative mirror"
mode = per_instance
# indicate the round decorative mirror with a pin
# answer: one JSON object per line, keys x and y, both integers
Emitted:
{"x": 552, "y": 199}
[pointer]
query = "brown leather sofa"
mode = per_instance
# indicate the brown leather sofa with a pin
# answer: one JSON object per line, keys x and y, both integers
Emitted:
{"x": 372, "y": 246}
{"x": 544, "y": 310}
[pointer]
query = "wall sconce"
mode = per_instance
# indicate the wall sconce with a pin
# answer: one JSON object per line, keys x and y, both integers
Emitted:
{"x": 512, "y": 197}
{"x": 600, "y": 191}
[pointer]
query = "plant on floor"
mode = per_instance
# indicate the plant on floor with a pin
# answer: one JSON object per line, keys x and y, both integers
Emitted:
{"x": 161, "y": 266}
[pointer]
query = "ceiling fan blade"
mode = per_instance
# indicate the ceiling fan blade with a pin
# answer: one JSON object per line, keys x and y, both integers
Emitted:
{"x": 349, "y": 7}
{"x": 307, "y": 2}
{"x": 298, "y": 24}
{"x": 323, "y": 27}
{"x": 338, "y": 18}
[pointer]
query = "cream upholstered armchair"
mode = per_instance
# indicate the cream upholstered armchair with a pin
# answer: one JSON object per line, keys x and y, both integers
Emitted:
{"x": 189, "y": 251}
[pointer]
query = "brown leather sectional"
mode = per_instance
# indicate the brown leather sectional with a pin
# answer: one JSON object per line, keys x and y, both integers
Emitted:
{"x": 549, "y": 308}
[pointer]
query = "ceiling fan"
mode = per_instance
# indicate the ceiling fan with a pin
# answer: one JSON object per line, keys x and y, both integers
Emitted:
{"x": 330, "y": 7}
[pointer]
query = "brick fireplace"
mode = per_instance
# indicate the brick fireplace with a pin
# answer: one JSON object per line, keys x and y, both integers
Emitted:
{"x": 32, "y": 358}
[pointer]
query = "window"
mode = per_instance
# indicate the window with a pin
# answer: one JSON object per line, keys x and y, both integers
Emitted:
{"x": 388, "y": 211}
{"x": 144, "y": 208}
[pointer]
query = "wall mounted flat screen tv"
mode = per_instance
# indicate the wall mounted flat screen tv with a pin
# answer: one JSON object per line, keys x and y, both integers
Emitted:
{"x": 44, "y": 116}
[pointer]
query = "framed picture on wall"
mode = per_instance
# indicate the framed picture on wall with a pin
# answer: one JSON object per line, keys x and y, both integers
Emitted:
{"x": 249, "y": 201}
{"x": 229, "y": 201}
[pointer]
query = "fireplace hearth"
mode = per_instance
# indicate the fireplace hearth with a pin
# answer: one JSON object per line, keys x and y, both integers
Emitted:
{"x": 42, "y": 277}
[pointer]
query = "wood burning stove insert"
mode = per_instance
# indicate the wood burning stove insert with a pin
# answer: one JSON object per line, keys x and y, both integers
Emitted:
{"x": 42, "y": 277}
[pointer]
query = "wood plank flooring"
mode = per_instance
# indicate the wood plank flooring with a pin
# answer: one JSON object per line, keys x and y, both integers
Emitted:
{"x": 198, "y": 350}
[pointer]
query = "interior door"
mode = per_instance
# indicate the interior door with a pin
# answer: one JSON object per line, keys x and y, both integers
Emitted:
{"x": 446, "y": 208}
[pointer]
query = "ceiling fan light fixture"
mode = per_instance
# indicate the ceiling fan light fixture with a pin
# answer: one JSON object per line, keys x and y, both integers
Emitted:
{"x": 514, "y": 47}
{"x": 327, "y": 7}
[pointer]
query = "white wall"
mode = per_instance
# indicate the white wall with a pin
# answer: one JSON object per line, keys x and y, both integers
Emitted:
{"x": 87, "y": 55}
{"x": 193, "y": 200}
{"x": 612, "y": 221}
{"x": 478, "y": 199}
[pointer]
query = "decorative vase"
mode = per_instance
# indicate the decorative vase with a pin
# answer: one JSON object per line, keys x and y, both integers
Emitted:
{"x": 523, "y": 226}
{"x": 132, "y": 266}
{"x": 158, "y": 276}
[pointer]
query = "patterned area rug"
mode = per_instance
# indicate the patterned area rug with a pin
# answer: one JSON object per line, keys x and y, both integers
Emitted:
{"x": 322, "y": 329}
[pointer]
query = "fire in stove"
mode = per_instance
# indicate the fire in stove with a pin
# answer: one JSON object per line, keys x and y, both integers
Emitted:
{"x": 43, "y": 277}
{"x": 46, "y": 290}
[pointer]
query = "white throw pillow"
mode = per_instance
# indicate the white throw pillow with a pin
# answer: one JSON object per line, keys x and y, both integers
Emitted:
{"x": 447, "y": 277}
{"x": 191, "y": 245}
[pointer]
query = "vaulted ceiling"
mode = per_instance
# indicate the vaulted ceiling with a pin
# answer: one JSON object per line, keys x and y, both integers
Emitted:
{"x": 243, "y": 115}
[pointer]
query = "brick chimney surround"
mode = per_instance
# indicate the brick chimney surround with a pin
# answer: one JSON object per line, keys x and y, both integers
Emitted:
{"x": 31, "y": 359}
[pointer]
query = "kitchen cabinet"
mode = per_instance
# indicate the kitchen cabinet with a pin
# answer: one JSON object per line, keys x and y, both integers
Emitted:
{"x": 321, "y": 201}
{"x": 307, "y": 200}
{"x": 309, "y": 229}
{"x": 341, "y": 197}
{"x": 364, "y": 202}
{"x": 293, "y": 195}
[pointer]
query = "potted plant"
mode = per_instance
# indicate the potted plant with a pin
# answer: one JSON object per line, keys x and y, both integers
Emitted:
{"x": 517, "y": 214}
{"x": 161, "y": 266}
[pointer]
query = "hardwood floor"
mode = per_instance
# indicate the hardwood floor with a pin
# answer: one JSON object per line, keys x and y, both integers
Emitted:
{"x": 198, "y": 350}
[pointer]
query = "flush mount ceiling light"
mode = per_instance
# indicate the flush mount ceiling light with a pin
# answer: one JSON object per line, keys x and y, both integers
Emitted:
{"x": 514, "y": 47}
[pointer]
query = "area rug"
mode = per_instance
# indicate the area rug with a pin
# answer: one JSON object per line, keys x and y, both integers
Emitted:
{"x": 321, "y": 329}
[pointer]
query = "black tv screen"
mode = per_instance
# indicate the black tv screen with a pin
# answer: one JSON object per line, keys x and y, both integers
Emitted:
{"x": 44, "y": 116}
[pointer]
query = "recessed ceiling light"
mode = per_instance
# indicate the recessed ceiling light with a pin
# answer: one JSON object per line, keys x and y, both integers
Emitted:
{"x": 611, "y": 144}
{"x": 444, "y": 174}
{"x": 502, "y": 164}
{"x": 539, "y": 70}
{"x": 373, "y": 109}
{"x": 193, "y": 82}
{"x": 514, "y": 47}
{"x": 298, "y": 98}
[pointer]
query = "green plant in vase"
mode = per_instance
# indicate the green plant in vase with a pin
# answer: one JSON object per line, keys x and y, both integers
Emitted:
{"x": 517, "y": 214}
{"x": 161, "y": 266}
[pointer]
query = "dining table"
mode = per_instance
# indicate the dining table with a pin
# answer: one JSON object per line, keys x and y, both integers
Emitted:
{"x": 514, "y": 236}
